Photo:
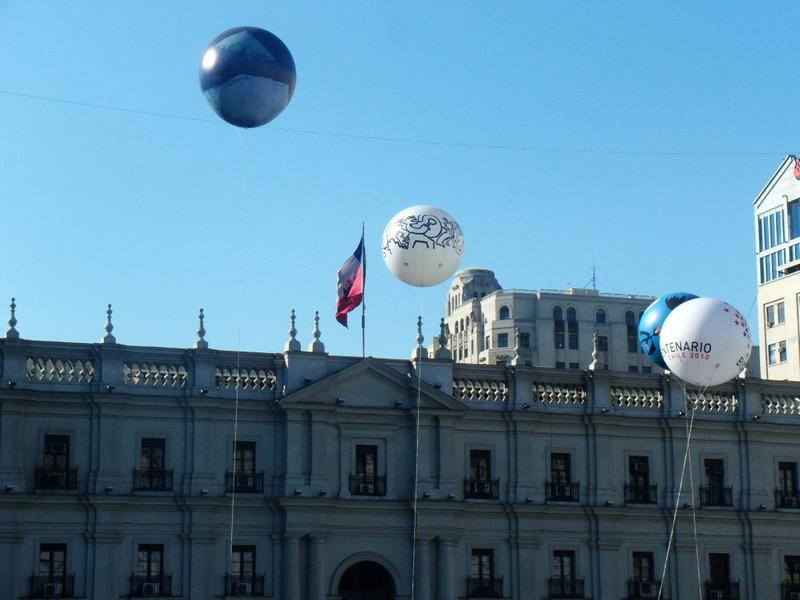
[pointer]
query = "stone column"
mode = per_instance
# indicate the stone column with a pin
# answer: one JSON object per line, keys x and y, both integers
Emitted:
{"x": 447, "y": 590}
{"x": 291, "y": 568}
{"x": 422, "y": 578}
{"x": 316, "y": 568}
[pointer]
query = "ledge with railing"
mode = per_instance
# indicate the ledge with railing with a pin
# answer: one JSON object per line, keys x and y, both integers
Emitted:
{"x": 641, "y": 494}
{"x": 482, "y": 489}
{"x": 150, "y": 586}
{"x": 244, "y": 585}
{"x": 562, "y": 492}
{"x": 152, "y": 480}
{"x": 53, "y": 586}
{"x": 484, "y": 587}
{"x": 716, "y": 496}
{"x": 367, "y": 485}
{"x": 787, "y": 499}
{"x": 790, "y": 591}
{"x": 643, "y": 590}
{"x": 52, "y": 478}
{"x": 560, "y": 588}
{"x": 722, "y": 591}
{"x": 247, "y": 482}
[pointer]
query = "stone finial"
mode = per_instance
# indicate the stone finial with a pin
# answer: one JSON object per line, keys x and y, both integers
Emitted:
{"x": 201, "y": 342}
{"x": 12, "y": 333}
{"x": 516, "y": 360}
{"x": 417, "y": 352}
{"x": 442, "y": 351}
{"x": 593, "y": 364}
{"x": 316, "y": 345}
{"x": 108, "y": 338}
{"x": 292, "y": 345}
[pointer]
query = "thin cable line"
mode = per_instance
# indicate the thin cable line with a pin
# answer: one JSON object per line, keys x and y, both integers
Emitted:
{"x": 415, "y": 141}
{"x": 416, "y": 464}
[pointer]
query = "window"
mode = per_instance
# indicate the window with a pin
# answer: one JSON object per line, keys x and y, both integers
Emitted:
{"x": 560, "y": 468}
{"x": 647, "y": 369}
{"x": 777, "y": 352}
{"x": 638, "y": 489}
{"x": 482, "y": 565}
{"x": 560, "y": 365}
{"x": 55, "y": 472}
{"x": 480, "y": 483}
{"x": 524, "y": 339}
{"x": 504, "y": 313}
{"x": 600, "y": 316}
{"x": 793, "y": 208}
{"x": 366, "y": 460}
{"x": 242, "y": 580}
{"x": 149, "y": 578}
{"x": 787, "y": 477}
{"x": 246, "y": 478}
{"x": 633, "y": 369}
{"x": 719, "y": 569}
{"x": 151, "y": 474}
{"x": 52, "y": 580}
{"x": 488, "y": 345}
{"x": 572, "y": 329}
{"x": 781, "y": 313}
{"x": 775, "y": 314}
{"x": 631, "y": 326}
{"x": 56, "y": 452}
{"x": 770, "y": 229}
{"x": 770, "y": 266}
{"x": 562, "y": 582}
{"x": 791, "y": 571}
{"x": 602, "y": 343}
{"x": 367, "y": 481}
{"x": 714, "y": 493}
{"x": 643, "y": 566}
{"x": 574, "y": 365}
{"x": 502, "y": 340}
{"x": 558, "y": 327}
{"x": 52, "y": 560}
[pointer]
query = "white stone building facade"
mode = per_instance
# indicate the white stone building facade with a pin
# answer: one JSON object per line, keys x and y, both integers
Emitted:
{"x": 115, "y": 479}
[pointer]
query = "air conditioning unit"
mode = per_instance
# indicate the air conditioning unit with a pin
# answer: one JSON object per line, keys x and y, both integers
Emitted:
{"x": 770, "y": 324}
{"x": 51, "y": 590}
{"x": 242, "y": 589}
{"x": 648, "y": 590}
{"x": 150, "y": 589}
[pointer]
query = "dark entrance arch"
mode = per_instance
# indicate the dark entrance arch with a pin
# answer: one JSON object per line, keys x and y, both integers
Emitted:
{"x": 366, "y": 580}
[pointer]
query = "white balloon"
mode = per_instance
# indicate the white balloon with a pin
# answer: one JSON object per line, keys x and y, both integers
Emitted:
{"x": 422, "y": 245}
{"x": 706, "y": 341}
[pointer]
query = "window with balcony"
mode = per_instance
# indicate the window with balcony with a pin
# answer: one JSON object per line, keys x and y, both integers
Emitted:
{"x": 643, "y": 585}
{"x": 790, "y": 587}
{"x": 719, "y": 585}
{"x": 505, "y": 313}
{"x": 244, "y": 479}
{"x": 572, "y": 329}
{"x": 482, "y": 582}
{"x": 638, "y": 490}
{"x": 786, "y": 494}
{"x": 242, "y": 580}
{"x": 714, "y": 492}
{"x": 152, "y": 476}
{"x": 149, "y": 579}
{"x": 563, "y": 583}
{"x": 55, "y": 472}
{"x": 480, "y": 484}
{"x": 51, "y": 580}
{"x": 632, "y": 330}
{"x": 366, "y": 481}
{"x": 558, "y": 327}
{"x": 561, "y": 487}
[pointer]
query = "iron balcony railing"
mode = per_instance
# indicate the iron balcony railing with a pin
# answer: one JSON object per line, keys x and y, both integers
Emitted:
{"x": 565, "y": 587}
{"x": 244, "y": 585}
{"x": 641, "y": 494}
{"x": 562, "y": 492}
{"x": 787, "y": 498}
{"x": 716, "y": 496}
{"x": 245, "y": 482}
{"x": 790, "y": 591}
{"x": 152, "y": 480}
{"x": 643, "y": 590}
{"x": 53, "y": 586}
{"x": 148, "y": 586}
{"x": 50, "y": 478}
{"x": 722, "y": 591}
{"x": 484, "y": 587}
{"x": 365, "y": 485}
{"x": 486, "y": 489}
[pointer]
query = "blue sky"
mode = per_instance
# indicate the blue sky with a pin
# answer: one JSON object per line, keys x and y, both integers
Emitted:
{"x": 631, "y": 135}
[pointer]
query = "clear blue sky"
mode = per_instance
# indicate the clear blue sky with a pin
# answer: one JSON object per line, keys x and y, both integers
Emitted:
{"x": 634, "y": 135}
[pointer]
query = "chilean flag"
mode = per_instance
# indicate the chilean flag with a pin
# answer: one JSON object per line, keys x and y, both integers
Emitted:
{"x": 797, "y": 168}
{"x": 350, "y": 283}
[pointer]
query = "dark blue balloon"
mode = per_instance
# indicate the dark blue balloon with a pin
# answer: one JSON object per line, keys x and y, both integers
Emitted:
{"x": 653, "y": 319}
{"x": 247, "y": 75}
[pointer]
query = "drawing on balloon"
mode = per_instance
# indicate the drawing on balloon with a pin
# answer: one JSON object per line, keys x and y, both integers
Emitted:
{"x": 427, "y": 230}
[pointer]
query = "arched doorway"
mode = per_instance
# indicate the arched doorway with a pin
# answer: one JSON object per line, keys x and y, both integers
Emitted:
{"x": 366, "y": 580}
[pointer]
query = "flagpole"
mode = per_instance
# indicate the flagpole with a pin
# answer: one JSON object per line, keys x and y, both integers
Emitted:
{"x": 363, "y": 290}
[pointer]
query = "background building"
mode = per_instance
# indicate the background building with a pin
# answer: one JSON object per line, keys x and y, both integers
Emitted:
{"x": 555, "y": 327}
{"x": 777, "y": 223}
{"x": 116, "y": 474}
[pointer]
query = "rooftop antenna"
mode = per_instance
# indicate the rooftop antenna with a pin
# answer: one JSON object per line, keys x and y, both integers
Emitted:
{"x": 593, "y": 280}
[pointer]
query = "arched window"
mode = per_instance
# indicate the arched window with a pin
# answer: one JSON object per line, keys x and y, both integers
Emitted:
{"x": 456, "y": 326}
{"x": 467, "y": 321}
{"x": 572, "y": 329}
{"x": 558, "y": 327}
{"x": 504, "y": 313}
{"x": 631, "y": 326}
{"x": 600, "y": 316}
{"x": 462, "y": 326}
